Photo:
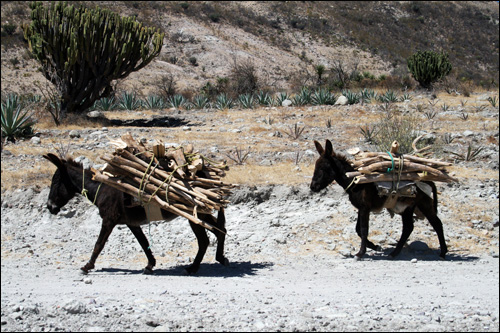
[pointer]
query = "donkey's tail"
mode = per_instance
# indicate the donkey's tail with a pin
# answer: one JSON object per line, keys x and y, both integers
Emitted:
{"x": 221, "y": 219}
{"x": 434, "y": 196}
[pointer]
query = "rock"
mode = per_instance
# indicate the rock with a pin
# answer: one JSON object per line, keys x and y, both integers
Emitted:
{"x": 74, "y": 134}
{"x": 286, "y": 102}
{"x": 74, "y": 307}
{"x": 35, "y": 140}
{"x": 468, "y": 133}
{"x": 342, "y": 100}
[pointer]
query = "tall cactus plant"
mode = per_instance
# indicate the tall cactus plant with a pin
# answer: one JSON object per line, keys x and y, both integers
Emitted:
{"x": 427, "y": 67}
{"x": 82, "y": 50}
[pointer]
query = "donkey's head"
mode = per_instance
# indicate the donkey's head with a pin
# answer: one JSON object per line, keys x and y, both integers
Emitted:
{"x": 324, "y": 173}
{"x": 62, "y": 188}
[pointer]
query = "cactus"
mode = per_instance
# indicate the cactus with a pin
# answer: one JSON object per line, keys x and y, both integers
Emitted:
{"x": 82, "y": 50}
{"x": 428, "y": 67}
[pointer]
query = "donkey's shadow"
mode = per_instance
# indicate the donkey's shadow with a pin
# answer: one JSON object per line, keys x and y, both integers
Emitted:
{"x": 235, "y": 269}
{"x": 427, "y": 255}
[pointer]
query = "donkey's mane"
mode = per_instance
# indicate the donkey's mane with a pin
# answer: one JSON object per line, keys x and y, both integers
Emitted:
{"x": 342, "y": 157}
{"x": 71, "y": 161}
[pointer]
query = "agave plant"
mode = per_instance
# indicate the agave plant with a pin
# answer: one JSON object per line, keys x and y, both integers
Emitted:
{"x": 322, "y": 97}
{"x": 153, "y": 102}
{"x": 11, "y": 101}
{"x": 369, "y": 132}
{"x": 352, "y": 97}
{"x": 263, "y": 98}
{"x": 200, "y": 102}
{"x": 246, "y": 101}
{"x": 281, "y": 97}
{"x": 177, "y": 101}
{"x": 405, "y": 97}
{"x": 367, "y": 95}
{"x": 389, "y": 97}
{"x": 493, "y": 101}
{"x": 129, "y": 101}
{"x": 223, "y": 102}
{"x": 302, "y": 98}
{"x": 470, "y": 155}
{"x": 105, "y": 104}
{"x": 15, "y": 121}
{"x": 295, "y": 132}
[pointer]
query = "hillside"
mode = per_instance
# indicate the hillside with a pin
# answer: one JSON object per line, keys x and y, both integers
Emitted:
{"x": 286, "y": 40}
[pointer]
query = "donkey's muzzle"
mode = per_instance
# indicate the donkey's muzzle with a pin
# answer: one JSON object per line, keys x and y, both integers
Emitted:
{"x": 53, "y": 208}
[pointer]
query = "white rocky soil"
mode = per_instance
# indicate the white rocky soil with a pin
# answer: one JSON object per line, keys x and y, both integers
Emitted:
{"x": 291, "y": 269}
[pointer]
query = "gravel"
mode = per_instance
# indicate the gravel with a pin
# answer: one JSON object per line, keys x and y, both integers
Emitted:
{"x": 291, "y": 268}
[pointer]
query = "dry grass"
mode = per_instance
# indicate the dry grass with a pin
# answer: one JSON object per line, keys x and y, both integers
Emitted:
{"x": 283, "y": 173}
{"x": 246, "y": 129}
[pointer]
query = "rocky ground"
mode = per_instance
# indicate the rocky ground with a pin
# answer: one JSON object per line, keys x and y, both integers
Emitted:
{"x": 291, "y": 270}
{"x": 290, "y": 250}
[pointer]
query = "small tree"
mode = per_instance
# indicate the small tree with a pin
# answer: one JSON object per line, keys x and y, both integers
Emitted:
{"x": 427, "y": 67}
{"x": 320, "y": 70}
{"x": 87, "y": 49}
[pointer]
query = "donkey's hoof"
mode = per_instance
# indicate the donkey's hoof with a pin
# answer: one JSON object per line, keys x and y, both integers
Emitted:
{"x": 190, "y": 270}
{"x": 379, "y": 248}
{"x": 224, "y": 262}
{"x": 357, "y": 258}
{"x": 84, "y": 271}
{"x": 148, "y": 271}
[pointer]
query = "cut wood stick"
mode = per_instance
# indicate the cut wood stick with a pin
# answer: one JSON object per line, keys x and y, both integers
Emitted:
{"x": 129, "y": 189}
{"x": 363, "y": 179}
{"x": 394, "y": 147}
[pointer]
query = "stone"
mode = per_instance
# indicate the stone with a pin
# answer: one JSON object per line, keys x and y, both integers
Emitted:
{"x": 342, "y": 100}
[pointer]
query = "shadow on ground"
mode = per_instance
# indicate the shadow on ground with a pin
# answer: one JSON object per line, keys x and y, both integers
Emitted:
{"x": 235, "y": 269}
{"x": 163, "y": 121}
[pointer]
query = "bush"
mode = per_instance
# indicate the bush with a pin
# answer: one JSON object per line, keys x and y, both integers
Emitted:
{"x": 403, "y": 129}
{"x": 244, "y": 78}
{"x": 9, "y": 28}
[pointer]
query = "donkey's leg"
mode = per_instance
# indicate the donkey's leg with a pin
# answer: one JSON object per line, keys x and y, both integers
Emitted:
{"x": 428, "y": 210}
{"x": 363, "y": 220}
{"x": 202, "y": 237}
{"x": 106, "y": 229}
{"x": 407, "y": 230}
{"x": 220, "y": 223}
{"x": 141, "y": 238}
{"x": 369, "y": 244}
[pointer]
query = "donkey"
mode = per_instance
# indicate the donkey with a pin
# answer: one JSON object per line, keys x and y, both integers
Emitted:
{"x": 332, "y": 166}
{"x": 114, "y": 208}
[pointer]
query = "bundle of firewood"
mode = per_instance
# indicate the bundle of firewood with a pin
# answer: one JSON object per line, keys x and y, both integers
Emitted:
{"x": 389, "y": 166}
{"x": 176, "y": 179}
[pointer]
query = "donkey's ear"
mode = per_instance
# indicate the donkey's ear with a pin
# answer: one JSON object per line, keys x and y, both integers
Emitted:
{"x": 328, "y": 148}
{"x": 54, "y": 159}
{"x": 319, "y": 148}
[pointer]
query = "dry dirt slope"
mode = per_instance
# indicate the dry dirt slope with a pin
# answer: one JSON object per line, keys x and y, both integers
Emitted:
{"x": 267, "y": 34}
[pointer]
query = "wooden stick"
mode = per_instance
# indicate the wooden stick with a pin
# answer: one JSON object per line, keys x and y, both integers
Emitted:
{"x": 405, "y": 176}
{"x": 129, "y": 189}
{"x": 138, "y": 170}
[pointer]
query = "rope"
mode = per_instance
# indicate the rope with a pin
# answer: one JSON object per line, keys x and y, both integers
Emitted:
{"x": 84, "y": 191}
{"x": 353, "y": 181}
{"x": 392, "y": 159}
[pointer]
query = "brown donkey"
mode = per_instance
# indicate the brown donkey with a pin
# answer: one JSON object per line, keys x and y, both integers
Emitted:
{"x": 332, "y": 166}
{"x": 68, "y": 180}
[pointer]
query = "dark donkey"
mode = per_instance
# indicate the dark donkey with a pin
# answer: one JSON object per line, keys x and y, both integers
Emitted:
{"x": 69, "y": 179}
{"x": 332, "y": 166}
